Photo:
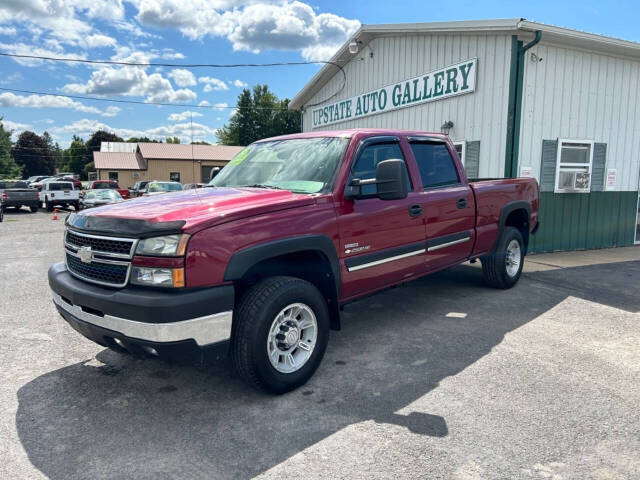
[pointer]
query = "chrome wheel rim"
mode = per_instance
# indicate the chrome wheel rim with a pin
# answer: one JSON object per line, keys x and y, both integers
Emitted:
{"x": 513, "y": 258}
{"x": 292, "y": 338}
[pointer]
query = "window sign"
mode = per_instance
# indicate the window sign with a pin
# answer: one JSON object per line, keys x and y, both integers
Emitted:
{"x": 446, "y": 82}
{"x": 526, "y": 172}
{"x": 612, "y": 175}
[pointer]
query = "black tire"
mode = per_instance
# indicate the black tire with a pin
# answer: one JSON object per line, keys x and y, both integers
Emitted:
{"x": 49, "y": 206}
{"x": 1, "y": 213}
{"x": 33, "y": 209}
{"x": 494, "y": 266}
{"x": 252, "y": 320}
{"x": 76, "y": 206}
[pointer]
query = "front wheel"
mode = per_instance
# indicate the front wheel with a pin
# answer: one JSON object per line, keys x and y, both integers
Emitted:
{"x": 76, "y": 206}
{"x": 33, "y": 209}
{"x": 280, "y": 333}
{"x": 502, "y": 268}
{"x": 48, "y": 205}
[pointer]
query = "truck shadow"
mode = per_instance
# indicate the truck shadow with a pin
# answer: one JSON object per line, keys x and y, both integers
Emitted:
{"x": 121, "y": 417}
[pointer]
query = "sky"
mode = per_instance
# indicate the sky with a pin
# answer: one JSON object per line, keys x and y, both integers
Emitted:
{"x": 208, "y": 31}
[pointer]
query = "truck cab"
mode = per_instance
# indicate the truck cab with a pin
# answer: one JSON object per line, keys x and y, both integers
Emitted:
{"x": 260, "y": 263}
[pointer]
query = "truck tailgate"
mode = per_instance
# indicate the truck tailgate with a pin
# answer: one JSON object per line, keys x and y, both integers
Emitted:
{"x": 21, "y": 194}
{"x": 491, "y": 196}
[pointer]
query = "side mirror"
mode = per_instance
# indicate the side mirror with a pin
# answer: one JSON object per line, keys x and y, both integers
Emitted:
{"x": 391, "y": 182}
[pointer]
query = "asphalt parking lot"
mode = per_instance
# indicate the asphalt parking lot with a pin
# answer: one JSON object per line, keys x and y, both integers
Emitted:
{"x": 442, "y": 378}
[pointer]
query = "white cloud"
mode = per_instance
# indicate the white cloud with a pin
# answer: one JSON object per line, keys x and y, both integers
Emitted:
{"x": 212, "y": 83}
{"x": 11, "y": 79}
{"x": 182, "y": 116}
{"x": 240, "y": 84}
{"x": 8, "y": 99}
{"x": 184, "y": 131}
{"x": 99, "y": 40}
{"x": 15, "y": 126}
{"x": 182, "y": 77}
{"x": 10, "y": 31}
{"x": 131, "y": 81}
{"x": 252, "y": 26}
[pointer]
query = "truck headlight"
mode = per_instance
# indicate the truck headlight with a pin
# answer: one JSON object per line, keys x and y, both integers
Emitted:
{"x": 166, "y": 246}
{"x": 158, "y": 277}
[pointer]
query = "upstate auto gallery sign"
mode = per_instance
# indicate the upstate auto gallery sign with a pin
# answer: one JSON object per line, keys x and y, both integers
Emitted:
{"x": 429, "y": 87}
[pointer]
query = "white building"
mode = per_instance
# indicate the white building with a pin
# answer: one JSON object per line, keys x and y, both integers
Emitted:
{"x": 520, "y": 98}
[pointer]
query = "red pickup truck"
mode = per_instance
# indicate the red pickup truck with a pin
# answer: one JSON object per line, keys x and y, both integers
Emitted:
{"x": 108, "y": 185}
{"x": 294, "y": 227}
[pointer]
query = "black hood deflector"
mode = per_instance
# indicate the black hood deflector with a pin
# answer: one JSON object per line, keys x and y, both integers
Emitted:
{"x": 122, "y": 227}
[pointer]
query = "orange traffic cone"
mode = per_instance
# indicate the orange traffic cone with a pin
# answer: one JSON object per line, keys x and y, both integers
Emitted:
{"x": 55, "y": 214}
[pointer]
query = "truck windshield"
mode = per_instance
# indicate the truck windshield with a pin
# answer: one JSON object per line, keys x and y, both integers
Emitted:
{"x": 302, "y": 165}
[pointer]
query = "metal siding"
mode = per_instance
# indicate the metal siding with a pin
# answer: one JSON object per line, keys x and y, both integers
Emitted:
{"x": 582, "y": 95}
{"x": 575, "y": 221}
{"x": 481, "y": 115}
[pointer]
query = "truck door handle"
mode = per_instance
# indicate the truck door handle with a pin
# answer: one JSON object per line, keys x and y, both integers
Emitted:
{"x": 462, "y": 202}
{"x": 415, "y": 210}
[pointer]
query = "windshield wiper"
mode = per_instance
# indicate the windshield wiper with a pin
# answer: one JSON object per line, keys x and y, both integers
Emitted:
{"x": 262, "y": 185}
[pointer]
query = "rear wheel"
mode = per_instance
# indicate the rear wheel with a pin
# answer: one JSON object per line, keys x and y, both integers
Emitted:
{"x": 48, "y": 205}
{"x": 502, "y": 269}
{"x": 76, "y": 206}
{"x": 33, "y": 209}
{"x": 280, "y": 333}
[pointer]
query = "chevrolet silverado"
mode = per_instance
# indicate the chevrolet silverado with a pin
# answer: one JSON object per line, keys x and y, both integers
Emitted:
{"x": 261, "y": 262}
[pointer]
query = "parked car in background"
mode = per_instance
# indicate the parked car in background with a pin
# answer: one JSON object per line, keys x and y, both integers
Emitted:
{"x": 59, "y": 194}
{"x": 39, "y": 183}
{"x": 96, "y": 198}
{"x": 18, "y": 194}
{"x": 67, "y": 174}
{"x": 157, "y": 188}
{"x": 192, "y": 186}
{"x": 108, "y": 185}
{"x": 36, "y": 178}
{"x": 77, "y": 184}
{"x": 138, "y": 188}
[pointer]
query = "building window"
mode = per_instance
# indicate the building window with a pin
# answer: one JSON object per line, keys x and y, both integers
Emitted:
{"x": 113, "y": 176}
{"x": 573, "y": 166}
{"x": 460, "y": 148}
{"x": 174, "y": 176}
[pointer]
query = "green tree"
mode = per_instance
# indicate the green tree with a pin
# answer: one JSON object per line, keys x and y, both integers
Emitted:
{"x": 172, "y": 140}
{"x": 259, "y": 114}
{"x": 77, "y": 156}
{"x": 8, "y": 166}
{"x": 33, "y": 154}
{"x": 142, "y": 140}
{"x": 99, "y": 136}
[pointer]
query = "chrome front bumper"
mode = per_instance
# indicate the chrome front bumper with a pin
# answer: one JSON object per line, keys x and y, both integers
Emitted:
{"x": 204, "y": 331}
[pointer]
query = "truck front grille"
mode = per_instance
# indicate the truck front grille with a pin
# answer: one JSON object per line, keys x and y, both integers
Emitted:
{"x": 97, "y": 272}
{"x": 119, "y": 246}
{"x": 97, "y": 259}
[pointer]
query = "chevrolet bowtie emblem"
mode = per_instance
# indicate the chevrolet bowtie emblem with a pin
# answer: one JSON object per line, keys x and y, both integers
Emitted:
{"x": 85, "y": 254}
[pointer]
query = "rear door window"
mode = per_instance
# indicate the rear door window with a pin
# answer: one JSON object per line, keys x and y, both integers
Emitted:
{"x": 54, "y": 187}
{"x": 436, "y": 166}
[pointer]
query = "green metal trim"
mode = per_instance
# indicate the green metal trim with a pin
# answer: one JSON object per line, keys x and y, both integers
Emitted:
{"x": 511, "y": 112}
{"x": 516, "y": 90}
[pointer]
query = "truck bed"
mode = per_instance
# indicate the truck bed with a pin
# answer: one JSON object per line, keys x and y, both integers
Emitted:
{"x": 491, "y": 196}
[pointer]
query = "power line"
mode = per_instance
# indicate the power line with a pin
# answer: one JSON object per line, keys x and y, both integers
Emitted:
{"x": 183, "y": 65}
{"x": 158, "y": 64}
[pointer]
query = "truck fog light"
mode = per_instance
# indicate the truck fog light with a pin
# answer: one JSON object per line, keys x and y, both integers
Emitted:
{"x": 158, "y": 277}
